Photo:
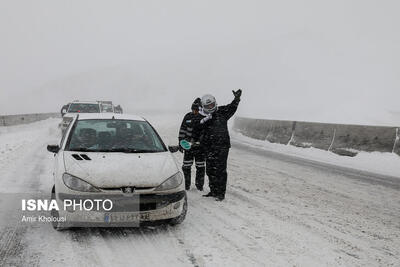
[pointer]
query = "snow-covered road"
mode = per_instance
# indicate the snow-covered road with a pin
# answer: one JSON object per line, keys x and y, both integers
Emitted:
{"x": 280, "y": 211}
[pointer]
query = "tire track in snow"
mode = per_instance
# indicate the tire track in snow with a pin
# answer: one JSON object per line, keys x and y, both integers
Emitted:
{"x": 342, "y": 210}
{"x": 23, "y": 167}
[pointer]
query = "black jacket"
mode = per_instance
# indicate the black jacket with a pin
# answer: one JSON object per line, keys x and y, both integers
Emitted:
{"x": 215, "y": 130}
{"x": 190, "y": 127}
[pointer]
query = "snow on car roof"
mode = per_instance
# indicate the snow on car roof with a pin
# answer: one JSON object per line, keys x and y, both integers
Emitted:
{"x": 105, "y": 116}
{"x": 84, "y": 102}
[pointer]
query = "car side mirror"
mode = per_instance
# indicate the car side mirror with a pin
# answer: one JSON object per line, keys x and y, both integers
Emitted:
{"x": 53, "y": 148}
{"x": 173, "y": 149}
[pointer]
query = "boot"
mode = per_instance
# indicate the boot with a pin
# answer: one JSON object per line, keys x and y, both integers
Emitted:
{"x": 210, "y": 194}
{"x": 219, "y": 197}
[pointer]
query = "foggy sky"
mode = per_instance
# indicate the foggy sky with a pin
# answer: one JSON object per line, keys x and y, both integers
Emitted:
{"x": 334, "y": 61}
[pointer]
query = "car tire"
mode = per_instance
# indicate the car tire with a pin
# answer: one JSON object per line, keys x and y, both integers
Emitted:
{"x": 54, "y": 213}
{"x": 182, "y": 216}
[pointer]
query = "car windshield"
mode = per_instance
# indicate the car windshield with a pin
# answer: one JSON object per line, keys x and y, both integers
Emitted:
{"x": 113, "y": 135}
{"x": 83, "y": 108}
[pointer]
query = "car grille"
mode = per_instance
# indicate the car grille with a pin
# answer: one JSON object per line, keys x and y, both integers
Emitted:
{"x": 121, "y": 189}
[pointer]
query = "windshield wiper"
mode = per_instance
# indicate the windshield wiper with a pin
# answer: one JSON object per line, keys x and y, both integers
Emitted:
{"x": 130, "y": 150}
{"x": 122, "y": 150}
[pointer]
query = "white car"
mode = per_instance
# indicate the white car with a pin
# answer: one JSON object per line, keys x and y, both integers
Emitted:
{"x": 121, "y": 161}
{"x": 80, "y": 107}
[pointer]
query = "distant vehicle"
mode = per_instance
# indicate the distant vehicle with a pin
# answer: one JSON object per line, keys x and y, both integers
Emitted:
{"x": 78, "y": 107}
{"x": 123, "y": 159}
{"x": 118, "y": 109}
{"x": 84, "y": 107}
{"x": 106, "y": 107}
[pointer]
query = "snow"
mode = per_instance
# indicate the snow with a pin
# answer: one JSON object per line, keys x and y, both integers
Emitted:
{"x": 276, "y": 213}
{"x": 23, "y": 148}
{"x": 376, "y": 162}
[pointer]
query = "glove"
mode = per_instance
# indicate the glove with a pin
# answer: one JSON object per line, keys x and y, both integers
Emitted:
{"x": 206, "y": 118}
{"x": 237, "y": 94}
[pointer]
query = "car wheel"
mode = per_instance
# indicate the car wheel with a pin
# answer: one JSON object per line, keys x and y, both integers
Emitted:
{"x": 54, "y": 213}
{"x": 180, "y": 218}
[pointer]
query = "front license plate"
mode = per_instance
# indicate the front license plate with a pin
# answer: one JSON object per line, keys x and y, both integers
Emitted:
{"x": 126, "y": 217}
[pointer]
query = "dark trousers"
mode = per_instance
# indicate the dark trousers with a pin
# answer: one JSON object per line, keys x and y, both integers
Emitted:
{"x": 198, "y": 155}
{"x": 216, "y": 162}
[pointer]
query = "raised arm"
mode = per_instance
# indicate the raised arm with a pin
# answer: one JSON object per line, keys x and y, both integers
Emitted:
{"x": 232, "y": 107}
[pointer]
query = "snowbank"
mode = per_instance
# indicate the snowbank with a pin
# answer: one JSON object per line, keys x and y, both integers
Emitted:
{"x": 377, "y": 162}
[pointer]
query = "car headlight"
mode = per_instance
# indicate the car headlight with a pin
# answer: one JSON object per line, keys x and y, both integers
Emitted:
{"x": 77, "y": 184}
{"x": 171, "y": 183}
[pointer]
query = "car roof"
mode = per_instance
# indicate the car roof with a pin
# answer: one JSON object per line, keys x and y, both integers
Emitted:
{"x": 108, "y": 116}
{"x": 85, "y": 102}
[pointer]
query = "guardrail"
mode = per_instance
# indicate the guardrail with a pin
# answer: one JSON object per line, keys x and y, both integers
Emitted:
{"x": 341, "y": 139}
{"x": 8, "y": 120}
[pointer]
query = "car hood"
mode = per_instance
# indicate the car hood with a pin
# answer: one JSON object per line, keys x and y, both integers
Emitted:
{"x": 109, "y": 170}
